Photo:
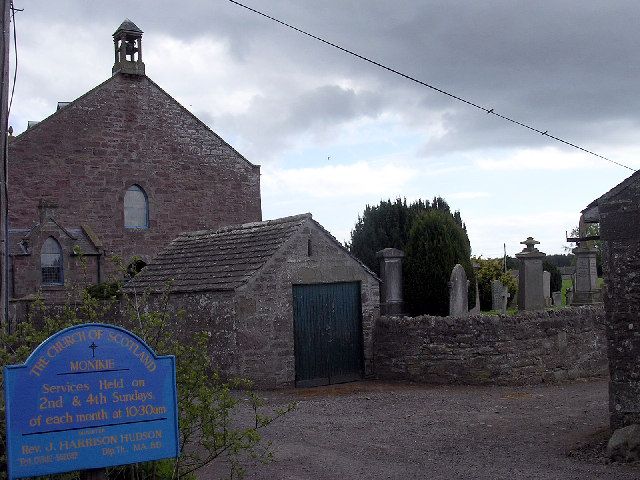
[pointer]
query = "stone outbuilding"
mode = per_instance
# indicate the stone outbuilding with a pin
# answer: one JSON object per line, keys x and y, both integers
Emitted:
{"x": 618, "y": 213}
{"x": 284, "y": 303}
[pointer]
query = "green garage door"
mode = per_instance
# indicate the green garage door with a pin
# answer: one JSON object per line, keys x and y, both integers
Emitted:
{"x": 328, "y": 333}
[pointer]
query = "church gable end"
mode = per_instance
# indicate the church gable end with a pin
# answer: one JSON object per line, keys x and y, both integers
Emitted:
{"x": 128, "y": 132}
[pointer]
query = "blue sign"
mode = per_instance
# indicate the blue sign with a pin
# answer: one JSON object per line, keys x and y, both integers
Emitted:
{"x": 90, "y": 396}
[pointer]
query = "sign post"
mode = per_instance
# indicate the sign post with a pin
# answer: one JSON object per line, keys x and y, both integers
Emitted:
{"x": 89, "y": 397}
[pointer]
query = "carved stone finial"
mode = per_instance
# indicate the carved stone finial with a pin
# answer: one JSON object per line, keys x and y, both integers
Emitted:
{"x": 530, "y": 245}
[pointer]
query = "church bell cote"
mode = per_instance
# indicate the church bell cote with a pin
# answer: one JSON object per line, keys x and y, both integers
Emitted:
{"x": 127, "y": 43}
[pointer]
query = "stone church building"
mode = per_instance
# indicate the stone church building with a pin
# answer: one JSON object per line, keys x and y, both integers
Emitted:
{"x": 121, "y": 170}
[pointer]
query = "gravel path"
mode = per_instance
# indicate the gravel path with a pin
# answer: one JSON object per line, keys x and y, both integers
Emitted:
{"x": 374, "y": 430}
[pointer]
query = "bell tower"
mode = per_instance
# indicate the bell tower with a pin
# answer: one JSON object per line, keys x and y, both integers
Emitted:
{"x": 127, "y": 43}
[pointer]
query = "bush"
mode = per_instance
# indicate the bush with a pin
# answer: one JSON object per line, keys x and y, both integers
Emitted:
{"x": 206, "y": 403}
{"x": 492, "y": 269}
{"x": 435, "y": 245}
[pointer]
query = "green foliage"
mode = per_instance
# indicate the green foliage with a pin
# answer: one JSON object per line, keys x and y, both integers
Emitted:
{"x": 104, "y": 290}
{"x": 435, "y": 244}
{"x": 560, "y": 260}
{"x": 387, "y": 225}
{"x": 492, "y": 269}
{"x": 207, "y": 405}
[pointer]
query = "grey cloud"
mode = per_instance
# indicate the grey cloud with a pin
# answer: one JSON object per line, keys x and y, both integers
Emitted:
{"x": 566, "y": 66}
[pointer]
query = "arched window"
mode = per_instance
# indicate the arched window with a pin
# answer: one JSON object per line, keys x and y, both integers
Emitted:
{"x": 136, "y": 208}
{"x": 51, "y": 262}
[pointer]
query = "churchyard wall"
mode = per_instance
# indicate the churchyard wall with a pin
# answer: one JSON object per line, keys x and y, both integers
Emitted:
{"x": 528, "y": 348}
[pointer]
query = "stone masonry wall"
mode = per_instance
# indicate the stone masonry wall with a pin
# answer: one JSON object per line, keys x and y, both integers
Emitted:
{"x": 529, "y": 348}
{"x": 210, "y": 312}
{"x": 128, "y": 131}
{"x": 620, "y": 230}
{"x": 251, "y": 330}
{"x": 265, "y": 305}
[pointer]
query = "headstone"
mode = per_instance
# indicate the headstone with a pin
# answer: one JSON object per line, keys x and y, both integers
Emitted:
{"x": 557, "y": 298}
{"x": 458, "y": 292}
{"x": 499, "y": 296}
{"x": 391, "y": 286}
{"x": 569, "y": 294}
{"x": 585, "y": 289}
{"x": 496, "y": 294}
{"x": 530, "y": 293}
{"x": 476, "y": 308}
{"x": 546, "y": 287}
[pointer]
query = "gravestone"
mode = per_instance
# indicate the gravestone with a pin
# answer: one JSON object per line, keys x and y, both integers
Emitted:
{"x": 530, "y": 294}
{"x": 546, "y": 287}
{"x": 476, "y": 308}
{"x": 569, "y": 294}
{"x": 557, "y": 298}
{"x": 458, "y": 292}
{"x": 499, "y": 296}
{"x": 391, "y": 286}
{"x": 585, "y": 290}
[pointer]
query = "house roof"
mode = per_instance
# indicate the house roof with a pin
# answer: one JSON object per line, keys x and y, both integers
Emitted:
{"x": 220, "y": 259}
{"x": 81, "y": 239}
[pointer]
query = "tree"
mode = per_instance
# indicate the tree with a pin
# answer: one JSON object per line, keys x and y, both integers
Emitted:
{"x": 387, "y": 225}
{"x": 435, "y": 245}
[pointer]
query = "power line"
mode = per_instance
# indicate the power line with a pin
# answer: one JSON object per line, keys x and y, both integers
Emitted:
{"x": 490, "y": 111}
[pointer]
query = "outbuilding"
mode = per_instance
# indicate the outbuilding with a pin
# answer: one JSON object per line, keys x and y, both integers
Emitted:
{"x": 283, "y": 302}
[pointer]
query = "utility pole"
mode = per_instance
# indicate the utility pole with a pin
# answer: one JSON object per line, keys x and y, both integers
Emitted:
{"x": 4, "y": 120}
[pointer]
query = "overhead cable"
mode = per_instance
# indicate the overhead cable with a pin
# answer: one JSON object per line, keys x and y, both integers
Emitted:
{"x": 490, "y": 111}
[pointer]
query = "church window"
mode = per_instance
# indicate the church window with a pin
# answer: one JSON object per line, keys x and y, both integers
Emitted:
{"x": 51, "y": 262}
{"x": 136, "y": 208}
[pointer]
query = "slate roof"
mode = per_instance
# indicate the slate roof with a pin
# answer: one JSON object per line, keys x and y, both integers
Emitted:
{"x": 635, "y": 177}
{"x": 128, "y": 26}
{"x": 79, "y": 236}
{"x": 218, "y": 260}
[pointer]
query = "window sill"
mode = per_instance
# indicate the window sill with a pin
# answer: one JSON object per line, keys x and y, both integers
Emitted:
{"x": 52, "y": 287}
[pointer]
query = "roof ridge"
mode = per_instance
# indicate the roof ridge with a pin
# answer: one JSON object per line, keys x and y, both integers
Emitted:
{"x": 248, "y": 225}
{"x": 227, "y": 257}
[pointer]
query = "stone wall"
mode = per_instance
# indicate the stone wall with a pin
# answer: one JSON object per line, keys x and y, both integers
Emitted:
{"x": 129, "y": 131}
{"x": 251, "y": 330}
{"x": 265, "y": 304}
{"x": 620, "y": 230}
{"x": 529, "y": 348}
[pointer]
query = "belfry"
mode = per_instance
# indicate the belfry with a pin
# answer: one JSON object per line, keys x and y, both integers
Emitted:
{"x": 127, "y": 43}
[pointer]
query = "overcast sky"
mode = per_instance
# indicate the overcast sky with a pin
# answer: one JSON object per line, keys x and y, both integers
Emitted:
{"x": 333, "y": 133}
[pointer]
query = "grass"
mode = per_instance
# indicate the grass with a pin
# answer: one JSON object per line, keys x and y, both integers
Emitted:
{"x": 567, "y": 284}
